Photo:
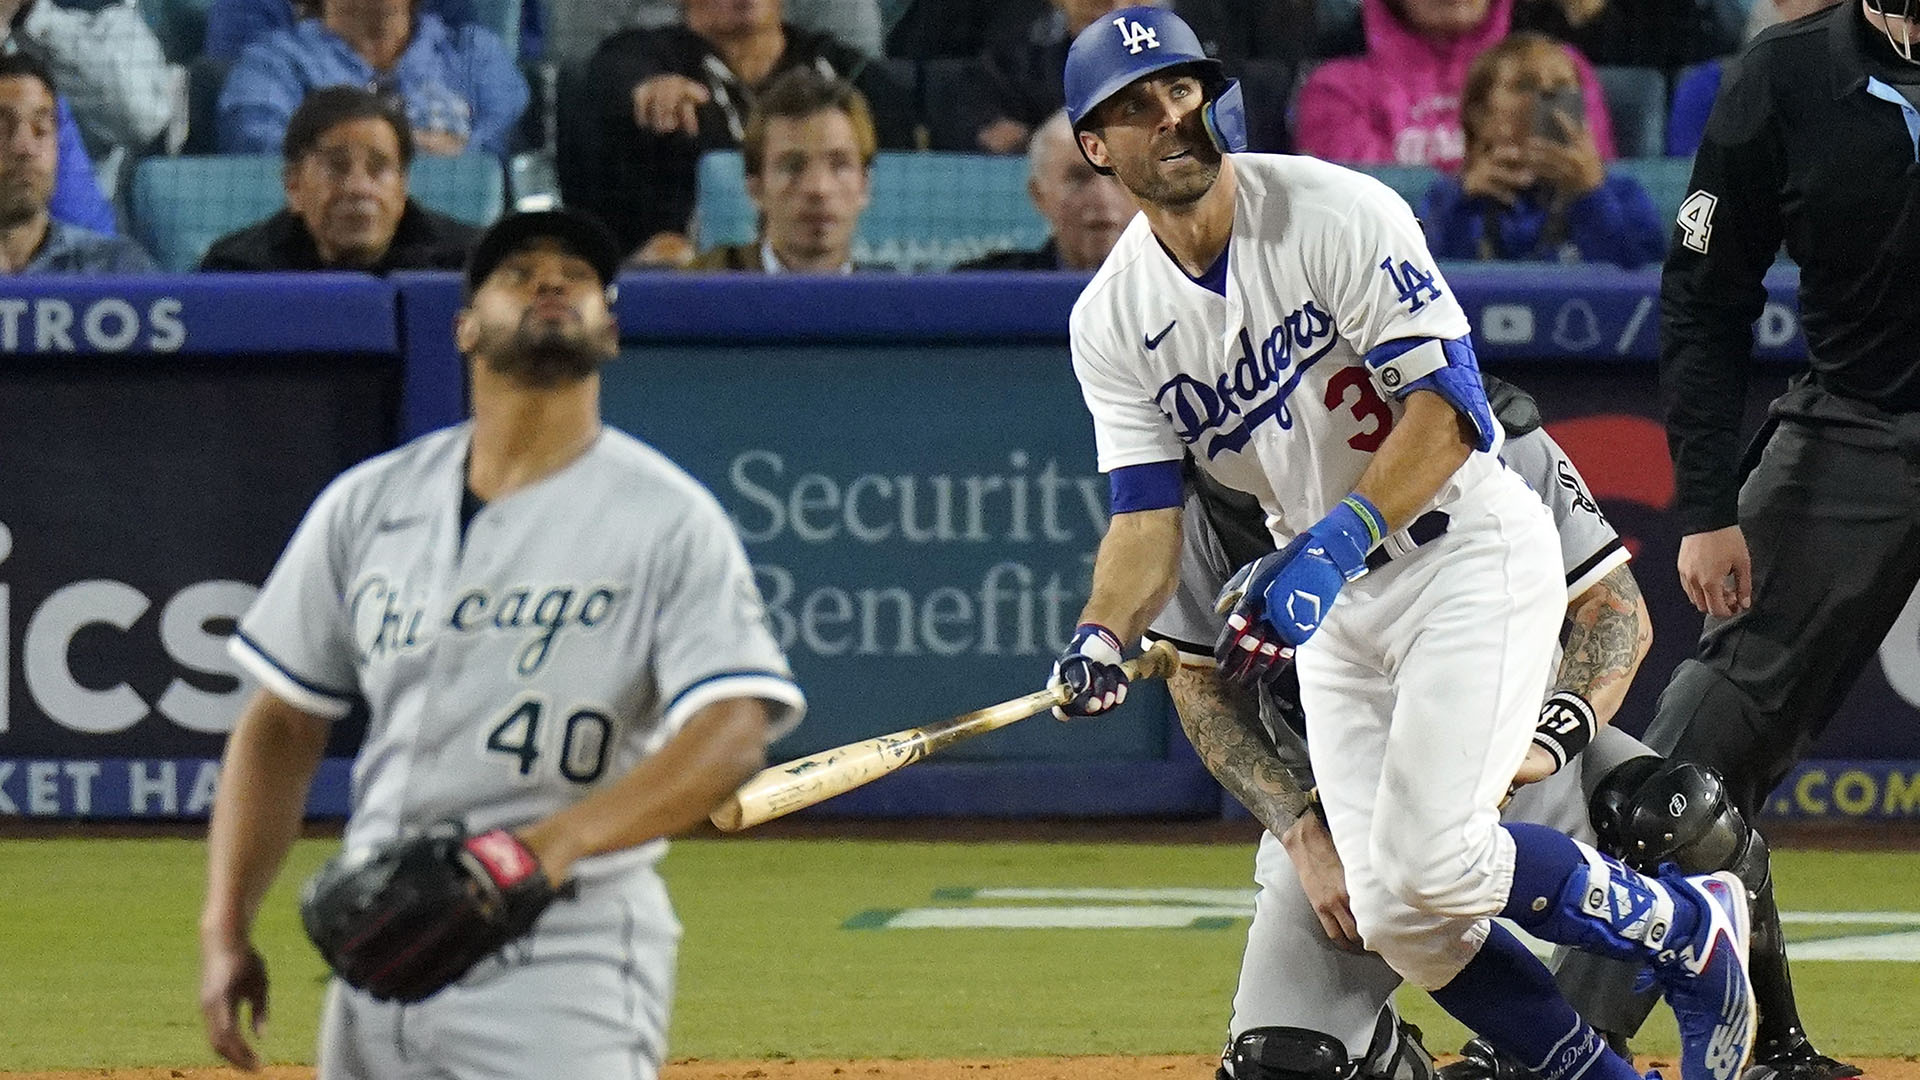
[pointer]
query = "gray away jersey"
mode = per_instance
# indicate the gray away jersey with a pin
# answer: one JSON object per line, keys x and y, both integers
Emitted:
{"x": 1589, "y": 548}
{"x": 582, "y": 622}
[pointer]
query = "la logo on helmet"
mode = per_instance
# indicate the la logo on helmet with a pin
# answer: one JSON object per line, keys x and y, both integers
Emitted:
{"x": 1135, "y": 36}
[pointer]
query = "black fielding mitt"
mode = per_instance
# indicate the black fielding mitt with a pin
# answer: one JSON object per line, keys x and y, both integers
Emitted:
{"x": 406, "y": 919}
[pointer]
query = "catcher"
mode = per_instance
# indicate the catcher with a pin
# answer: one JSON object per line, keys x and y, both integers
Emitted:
{"x": 563, "y": 659}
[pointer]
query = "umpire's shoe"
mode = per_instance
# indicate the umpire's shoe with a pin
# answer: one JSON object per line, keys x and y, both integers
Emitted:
{"x": 1705, "y": 978}
{"x": 1796, "y": 1059}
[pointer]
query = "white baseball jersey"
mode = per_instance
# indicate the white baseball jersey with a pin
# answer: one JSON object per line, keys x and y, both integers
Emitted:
{"x": 574, "y": 628}
{"x": 1267, "y": 386}
{"x": 1589, "y": 548}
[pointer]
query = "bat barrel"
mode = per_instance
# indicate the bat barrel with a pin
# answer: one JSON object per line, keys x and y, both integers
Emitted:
{"x": 782, "y": 789}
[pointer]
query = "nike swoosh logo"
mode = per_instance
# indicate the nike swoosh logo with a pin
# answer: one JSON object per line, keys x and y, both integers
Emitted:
{"x": 1154, "y": 341}
{"x": 396, "y": 524}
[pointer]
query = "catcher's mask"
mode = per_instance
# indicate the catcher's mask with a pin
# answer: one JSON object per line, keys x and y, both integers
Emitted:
{"x": 1898, "y": 24}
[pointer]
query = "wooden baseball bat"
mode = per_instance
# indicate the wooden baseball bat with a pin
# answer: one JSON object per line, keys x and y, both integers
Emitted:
{"x": 781, "y": 789}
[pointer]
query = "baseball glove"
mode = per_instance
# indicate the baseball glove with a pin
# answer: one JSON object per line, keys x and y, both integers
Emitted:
{"x": 410, "y": 917}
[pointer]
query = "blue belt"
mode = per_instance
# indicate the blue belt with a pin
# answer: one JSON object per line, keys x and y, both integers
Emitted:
{"x": 1426, "y": 528}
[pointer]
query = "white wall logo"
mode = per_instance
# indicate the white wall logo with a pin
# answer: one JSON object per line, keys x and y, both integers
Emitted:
{"x": 1135, "y": 36}
{"x": 109, "y": 324}
{"x": 1507, "y": 324}
{"x": 188, "y": 632}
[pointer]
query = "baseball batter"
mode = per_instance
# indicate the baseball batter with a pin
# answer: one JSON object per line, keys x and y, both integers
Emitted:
{"x": 555, "y": 632}
{"x": 1280, "y": 319}
{"x": 1303, "y": 1004}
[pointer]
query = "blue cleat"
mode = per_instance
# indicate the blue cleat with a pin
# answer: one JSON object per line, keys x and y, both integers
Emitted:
{"x": 1706, "y": 981}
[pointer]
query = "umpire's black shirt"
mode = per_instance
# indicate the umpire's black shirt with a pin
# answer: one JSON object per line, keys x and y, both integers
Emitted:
{"x": 1800, "y": 148}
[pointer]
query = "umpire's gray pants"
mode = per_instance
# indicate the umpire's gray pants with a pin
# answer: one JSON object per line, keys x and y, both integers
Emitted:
{"x": 1831, "y": 515}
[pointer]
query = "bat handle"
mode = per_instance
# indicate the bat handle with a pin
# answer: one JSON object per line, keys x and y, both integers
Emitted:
{"x": 1160, "y": 661}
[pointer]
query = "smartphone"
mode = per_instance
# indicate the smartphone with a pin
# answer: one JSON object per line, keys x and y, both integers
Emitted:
{"x": 1567, "y": 101}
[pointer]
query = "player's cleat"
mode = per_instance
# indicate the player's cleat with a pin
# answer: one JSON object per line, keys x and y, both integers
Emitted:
{"x": 1705, "y": 978}
{"x": 1796, "y": 1060}
{"x": 1480, "y": 1061}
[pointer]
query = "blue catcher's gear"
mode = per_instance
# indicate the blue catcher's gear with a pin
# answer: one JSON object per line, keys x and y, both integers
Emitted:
{"x": 1135, "y": 42}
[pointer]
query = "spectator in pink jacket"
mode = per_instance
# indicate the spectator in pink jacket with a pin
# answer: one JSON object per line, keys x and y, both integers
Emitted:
{"x": 1400, "y": 103}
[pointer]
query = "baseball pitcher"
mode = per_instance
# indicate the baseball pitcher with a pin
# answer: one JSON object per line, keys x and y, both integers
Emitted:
{"x": 564, "y": 661}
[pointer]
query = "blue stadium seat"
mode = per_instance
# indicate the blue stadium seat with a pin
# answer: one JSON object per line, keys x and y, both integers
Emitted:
{"x": 471, "y": 187}
{"x": 1409, "y": 181}
{"x": 180, "y": 205}
{"x": 1637, "y": 101}
{"x": 929, "y": 210}
{"x": 1665, "y": 179}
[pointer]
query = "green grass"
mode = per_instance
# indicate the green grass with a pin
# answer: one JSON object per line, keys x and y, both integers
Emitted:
{"x": 97, "y": 960}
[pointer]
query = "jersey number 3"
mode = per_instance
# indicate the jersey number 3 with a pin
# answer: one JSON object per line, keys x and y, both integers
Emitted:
{"x": 585, "y": 736}
{"x": 1352, "y": 388}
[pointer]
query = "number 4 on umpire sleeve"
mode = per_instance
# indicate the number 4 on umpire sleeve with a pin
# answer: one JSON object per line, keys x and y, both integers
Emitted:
{"x": 585, "y": 738}
{"x": 1696, "y": 221}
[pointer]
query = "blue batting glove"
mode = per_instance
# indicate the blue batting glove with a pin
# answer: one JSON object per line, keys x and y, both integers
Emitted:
{"x": 1090, "y": 668}
{"x": 1275, "y": 603}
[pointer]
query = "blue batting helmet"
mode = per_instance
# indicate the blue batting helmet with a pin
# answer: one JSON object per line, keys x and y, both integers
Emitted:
{"x": 1135, "y": 42}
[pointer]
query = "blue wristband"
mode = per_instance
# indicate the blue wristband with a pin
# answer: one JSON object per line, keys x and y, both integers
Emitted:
{"x": 1348, "y": 532}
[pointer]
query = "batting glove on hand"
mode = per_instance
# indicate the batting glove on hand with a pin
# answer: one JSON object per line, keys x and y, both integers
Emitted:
{"x": 1090, "y": 668}
{"x": 1275, "y": 603}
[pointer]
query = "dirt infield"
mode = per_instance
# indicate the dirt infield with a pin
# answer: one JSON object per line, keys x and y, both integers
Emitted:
{"x": 1194, "y": 1067}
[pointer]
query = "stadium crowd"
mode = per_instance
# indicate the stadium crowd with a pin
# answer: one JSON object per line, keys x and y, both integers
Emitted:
{"x": 1521, "y": 129}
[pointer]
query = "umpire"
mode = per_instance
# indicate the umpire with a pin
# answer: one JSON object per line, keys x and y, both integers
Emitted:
{"x": 1814, "y": 140}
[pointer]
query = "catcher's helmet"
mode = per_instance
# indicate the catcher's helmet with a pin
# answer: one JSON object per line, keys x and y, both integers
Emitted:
{"x": 1135, "y": 42}
{"x": 1894, "y": 13}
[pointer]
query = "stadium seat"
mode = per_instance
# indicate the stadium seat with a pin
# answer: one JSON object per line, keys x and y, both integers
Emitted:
{"x": 1637, "y": 102}
{"x": 470, "y": 187}
{"x": 1410, "y": 182}
{"x": 180, "y": 205}
{"x": 929, "y": 210}
{"x": 1665, "y": 179}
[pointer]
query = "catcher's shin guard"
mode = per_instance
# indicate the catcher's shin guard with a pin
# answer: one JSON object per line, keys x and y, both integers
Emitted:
{"x": 1286, "y": 1053}
{"x": 1397, "y": 1052}
{"x": 1290, "y": 1053}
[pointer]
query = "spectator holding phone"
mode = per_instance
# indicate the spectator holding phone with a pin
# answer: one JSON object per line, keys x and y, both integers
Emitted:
{"x": 1533, "y": 186}
{"x": 1400, "y": 103}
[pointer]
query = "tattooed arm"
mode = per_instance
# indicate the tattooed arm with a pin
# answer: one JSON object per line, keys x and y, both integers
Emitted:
{"x": 1612, "y": 631}
{"x": 1223, "y": 723}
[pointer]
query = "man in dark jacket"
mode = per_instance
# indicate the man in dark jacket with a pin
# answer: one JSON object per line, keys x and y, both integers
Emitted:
{"x": 664, "y": 97}
{"x": 347, "y": 155}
